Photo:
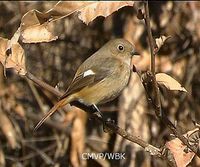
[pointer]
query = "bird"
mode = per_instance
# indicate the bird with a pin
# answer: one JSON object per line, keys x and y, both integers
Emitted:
{"x": 100, "y": 78}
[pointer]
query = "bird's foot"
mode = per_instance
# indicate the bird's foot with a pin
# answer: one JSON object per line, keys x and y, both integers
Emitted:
{"x": 106, "y": 128}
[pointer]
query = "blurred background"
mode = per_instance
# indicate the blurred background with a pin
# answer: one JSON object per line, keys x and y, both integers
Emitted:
{"x": 69, "y": 133}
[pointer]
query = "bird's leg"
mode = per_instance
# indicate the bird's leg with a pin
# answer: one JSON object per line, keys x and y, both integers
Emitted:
{"x": 105, "y": 121}
{"x": 93, "y": 109}
{"x": 97, "y": 111}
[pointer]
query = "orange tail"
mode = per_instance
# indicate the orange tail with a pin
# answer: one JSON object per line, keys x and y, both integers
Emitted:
{"x": 58, "y": 105}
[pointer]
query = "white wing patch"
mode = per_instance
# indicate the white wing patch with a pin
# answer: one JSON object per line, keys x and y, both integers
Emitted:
{"x": 88, "y": 72}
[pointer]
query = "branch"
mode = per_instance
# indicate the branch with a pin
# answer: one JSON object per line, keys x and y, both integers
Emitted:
{"x": 150, "y": 39}
{"x": 156, "y": 103}
{"x": 109, "y": 126}
{"x": 43, "y": 84}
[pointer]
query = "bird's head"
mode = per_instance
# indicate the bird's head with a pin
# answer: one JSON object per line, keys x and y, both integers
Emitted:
{"x": 120, "y": 48}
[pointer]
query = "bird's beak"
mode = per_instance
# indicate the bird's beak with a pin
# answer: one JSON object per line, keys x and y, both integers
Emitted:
{"x": 134, "y": 53}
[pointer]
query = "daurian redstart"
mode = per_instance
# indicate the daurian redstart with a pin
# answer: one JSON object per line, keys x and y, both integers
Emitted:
{"x": 100, "y": 78}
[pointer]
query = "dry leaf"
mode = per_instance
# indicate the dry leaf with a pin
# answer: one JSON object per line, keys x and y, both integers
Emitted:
{"x": 36, "y": 27}
{"x": 169, "y": 82}
{"x": 32, "y": 30}
{"x": 40, "y": 33}
{"x": 15, "y": 58}
{"x": 8, "y": 130}
{"x": 160, "y": 41}
{"x": 14, "y": 39}
{"x": 177, "y": 148}
{"x": 104, "y": 9}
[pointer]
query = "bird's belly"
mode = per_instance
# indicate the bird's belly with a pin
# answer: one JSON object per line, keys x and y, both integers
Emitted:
{"x": 104, "y": 91}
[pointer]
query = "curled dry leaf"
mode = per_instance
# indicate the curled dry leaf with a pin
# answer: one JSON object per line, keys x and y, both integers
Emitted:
{"x": 12, "y": 56}
{"x": 8, "y": 130}
{"x": 160, "y": 41}
{"x": 36, "y": 26}
{"x": 40, "y": 33}
{"x": 169, "y": 82}
{"x": 178, "y": 149}
{"x": 105, "y": 8}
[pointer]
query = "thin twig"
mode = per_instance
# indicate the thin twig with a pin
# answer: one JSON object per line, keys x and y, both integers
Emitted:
{"x": 43, "y": 84}
{"x": 157, "y": 103}
{"x": 150, "y": 39}
{"x": 152, "y": 46}
{"x": 36, "y": 94}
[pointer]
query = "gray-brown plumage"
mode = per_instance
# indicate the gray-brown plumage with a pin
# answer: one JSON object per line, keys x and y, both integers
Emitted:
{"x": 100, "y": 78}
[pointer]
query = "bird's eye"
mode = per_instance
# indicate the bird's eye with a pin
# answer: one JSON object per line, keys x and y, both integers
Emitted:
{"x": 120, "y": 47}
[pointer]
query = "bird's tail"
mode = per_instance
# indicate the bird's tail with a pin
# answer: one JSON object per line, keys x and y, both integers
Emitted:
{"x": 58, "y": 105}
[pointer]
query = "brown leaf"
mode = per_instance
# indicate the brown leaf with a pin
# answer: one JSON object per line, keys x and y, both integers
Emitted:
{"x": 160, "y": 41}
{"x": 32, "y": 30}
{"x": 177, "y": 148}
{"x": 8, "y": 130}
{"x": 90, "y": 12}
{"x": 14, "y": 39}
{"x": 13, "y": 57}
{"x": 169, "y": 82}
{"x": 40, "y": 33}
{"x": 36, "y": 27}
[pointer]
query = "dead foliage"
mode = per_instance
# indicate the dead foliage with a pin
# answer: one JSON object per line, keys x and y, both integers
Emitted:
{"x": 48, "y": 40}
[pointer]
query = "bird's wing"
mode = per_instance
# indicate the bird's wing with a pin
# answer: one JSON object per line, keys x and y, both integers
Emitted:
{"x": 89, "y": 74}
